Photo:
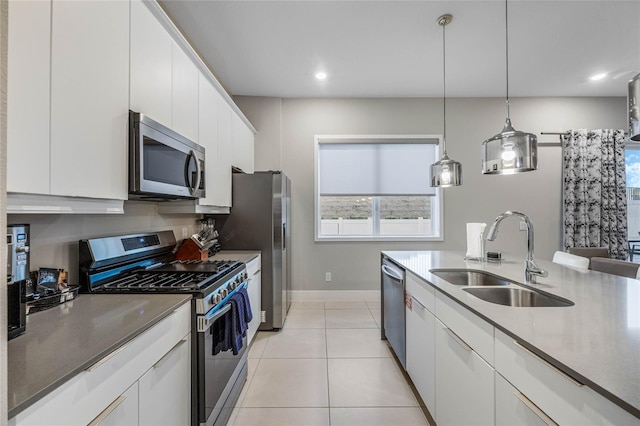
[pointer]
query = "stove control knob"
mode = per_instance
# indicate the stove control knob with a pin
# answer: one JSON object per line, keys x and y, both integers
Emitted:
{"x": 217, "y": 298}
{"x": 224, "y": 292}
{"x": 233, "y": 285}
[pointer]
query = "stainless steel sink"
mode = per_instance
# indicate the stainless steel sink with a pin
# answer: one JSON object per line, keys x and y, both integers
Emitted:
{"x": 517, "y": 297}
{"x": 470, "y": 277}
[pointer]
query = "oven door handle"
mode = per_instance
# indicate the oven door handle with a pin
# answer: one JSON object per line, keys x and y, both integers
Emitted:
{"x": 206, "y": 321}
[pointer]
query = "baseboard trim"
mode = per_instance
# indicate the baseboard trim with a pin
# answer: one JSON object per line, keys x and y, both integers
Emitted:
{"x": 345, "y": 295}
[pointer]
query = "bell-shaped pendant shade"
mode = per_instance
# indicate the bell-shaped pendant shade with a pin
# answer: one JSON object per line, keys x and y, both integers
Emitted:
{"x": 446, "y": 172}
{"x": 509, "y": 152}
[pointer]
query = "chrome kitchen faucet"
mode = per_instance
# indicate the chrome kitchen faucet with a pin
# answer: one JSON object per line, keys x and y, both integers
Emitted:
{"x": 531, "y": 270}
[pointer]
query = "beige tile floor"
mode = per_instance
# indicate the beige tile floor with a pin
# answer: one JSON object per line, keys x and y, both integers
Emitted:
{"x": 327, "y": 366}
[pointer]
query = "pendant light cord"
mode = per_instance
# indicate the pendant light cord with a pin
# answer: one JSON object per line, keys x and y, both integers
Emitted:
{"x": 506, "y": 26}
{"x": 444, "y": 91}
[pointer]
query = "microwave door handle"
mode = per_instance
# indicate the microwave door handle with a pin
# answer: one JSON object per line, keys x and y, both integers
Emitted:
{"x": 195, "y": 187}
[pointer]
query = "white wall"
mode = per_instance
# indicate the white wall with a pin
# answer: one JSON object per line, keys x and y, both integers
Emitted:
{"x": 354, "y": 265}
{"x": 54, "y": 238}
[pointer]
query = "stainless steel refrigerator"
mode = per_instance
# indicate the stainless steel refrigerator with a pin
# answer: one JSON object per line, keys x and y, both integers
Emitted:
{"x": 259, "y": 220}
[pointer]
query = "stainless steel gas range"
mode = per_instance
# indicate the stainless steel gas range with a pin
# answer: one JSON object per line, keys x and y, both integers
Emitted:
{"x": 143, "y": 263}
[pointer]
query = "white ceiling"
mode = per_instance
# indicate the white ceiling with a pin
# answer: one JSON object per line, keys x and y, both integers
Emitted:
{"x": 394, "y": 48}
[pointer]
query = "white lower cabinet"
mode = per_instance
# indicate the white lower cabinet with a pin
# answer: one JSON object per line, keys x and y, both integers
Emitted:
{"x": 420, "y": 342}
{"x": 514, "y": 408}
{"x": 464, "y": 382}
{"x": 254, "y": 289}
{"x": 153, "y": 366}
{"x": 121, "y": 412}
{"x": 558, "y": 395}
{"x": 169, "y": 380}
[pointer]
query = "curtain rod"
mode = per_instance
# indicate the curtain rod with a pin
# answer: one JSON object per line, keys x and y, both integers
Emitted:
{"x": 567, "y": 133}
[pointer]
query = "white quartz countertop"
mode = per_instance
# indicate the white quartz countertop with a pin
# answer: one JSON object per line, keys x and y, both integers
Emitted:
{"x": 597, "y": 340}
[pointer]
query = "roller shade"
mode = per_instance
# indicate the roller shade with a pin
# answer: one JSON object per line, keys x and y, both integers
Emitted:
{"x": 375, "y": 168}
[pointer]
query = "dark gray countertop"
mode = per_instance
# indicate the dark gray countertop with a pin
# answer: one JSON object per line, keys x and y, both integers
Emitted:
{"x": 244, "y": 256}
{"x": 64, "y": 340}
{"x": 597, "y": 340}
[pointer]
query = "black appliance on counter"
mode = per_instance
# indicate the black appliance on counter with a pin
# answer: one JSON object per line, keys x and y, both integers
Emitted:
{"x": 143, "y": 263}
{"x": 17, "y": 276}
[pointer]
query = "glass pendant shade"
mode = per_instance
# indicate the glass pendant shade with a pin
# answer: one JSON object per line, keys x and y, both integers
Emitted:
{"x": 509, "y": 152}
{"x": 446, "y": 172}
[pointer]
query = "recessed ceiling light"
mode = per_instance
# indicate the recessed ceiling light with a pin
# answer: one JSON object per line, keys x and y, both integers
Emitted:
{"x": 321, "y": 75}
{"x": 597, "y": 77}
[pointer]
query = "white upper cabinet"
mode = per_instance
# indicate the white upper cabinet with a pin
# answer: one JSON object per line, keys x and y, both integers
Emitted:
{"x": 208, "y": 136}
{"x": 222, "y": 188}
{"x": 184, "y": 94}
{"x": 29, "y": 60}
{"x": 242, "y": 139}
{"x": 89, "y": 98}
{"x": 151, "y": 52}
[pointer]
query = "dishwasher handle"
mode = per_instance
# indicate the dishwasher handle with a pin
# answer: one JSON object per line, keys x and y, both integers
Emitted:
{"x": 392, "y": 273}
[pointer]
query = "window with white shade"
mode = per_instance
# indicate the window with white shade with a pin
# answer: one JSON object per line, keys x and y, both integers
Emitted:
{"x": 376, "y": 188}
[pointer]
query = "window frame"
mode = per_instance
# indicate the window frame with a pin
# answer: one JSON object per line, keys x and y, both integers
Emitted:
{"x": 437, "y": 223}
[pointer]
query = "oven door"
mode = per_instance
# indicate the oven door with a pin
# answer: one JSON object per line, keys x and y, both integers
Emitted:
{"x": 220, "y": 377}
{"x": 162, "y": 163}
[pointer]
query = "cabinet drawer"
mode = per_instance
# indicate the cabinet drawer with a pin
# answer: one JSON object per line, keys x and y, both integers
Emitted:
{"x": 514, "y": 408}
{"x": 254, "y": 266}
{"x": 558, "y": 395}
{"x": 464, "y": 383}
{"x": 421, "y": 291}
{"x": 476, "y": 332}
{"x": 95, "y": 388}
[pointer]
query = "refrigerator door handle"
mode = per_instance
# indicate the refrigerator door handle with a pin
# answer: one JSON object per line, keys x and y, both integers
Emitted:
{"x": 284, "y": 234}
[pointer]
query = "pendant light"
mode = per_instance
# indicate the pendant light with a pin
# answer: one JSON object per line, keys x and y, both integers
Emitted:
{"x": 445, "y": 172}
{"x": 510, "y": 151}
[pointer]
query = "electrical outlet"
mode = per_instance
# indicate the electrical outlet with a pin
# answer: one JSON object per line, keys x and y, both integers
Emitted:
{"x": 327, "y": 276}
{"x": 185, "y": 233}
{"x": 523, "y": 225}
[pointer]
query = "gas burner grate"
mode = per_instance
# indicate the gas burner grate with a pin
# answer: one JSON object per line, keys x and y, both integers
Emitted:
{"x": 165, "y": 281}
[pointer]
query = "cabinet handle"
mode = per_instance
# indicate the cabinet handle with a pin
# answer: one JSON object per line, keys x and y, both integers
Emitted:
{"x": 562, "y": 373}
{"x": 105, "y": 413}
{"x": 536, "y": 410}
{"x": 94, "y": 366}
{"x": 166, "y": 356}
{"x": 455, "y": 337}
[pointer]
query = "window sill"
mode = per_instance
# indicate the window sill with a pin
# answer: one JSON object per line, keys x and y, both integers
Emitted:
{"x": 377, "y": 238}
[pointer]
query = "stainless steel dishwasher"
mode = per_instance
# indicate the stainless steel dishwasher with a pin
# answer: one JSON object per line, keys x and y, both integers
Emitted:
{"x": 393, "y": 311}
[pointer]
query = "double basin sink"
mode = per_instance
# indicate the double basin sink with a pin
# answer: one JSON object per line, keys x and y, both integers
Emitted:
{"x": 495, "y": 289}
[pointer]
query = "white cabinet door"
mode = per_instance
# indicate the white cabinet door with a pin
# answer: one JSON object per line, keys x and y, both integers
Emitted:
{"x": 184, "y": 94}
{"x": 150, "y": 76}
{"x": 121, "y": 412}
{"x": 222, "y": 188}
{"x": 29, "y": 66}
{"x": 243, "y": 148}
{"x": 208, "y": 136}
{"x": 255, "y": 298}
{"x": 421, "y": 354}
{"x": 514, "y": 408}
{"x": 89, "y": 98}
{"x": 464, "y": 382}
{"x": 165, "y": 390}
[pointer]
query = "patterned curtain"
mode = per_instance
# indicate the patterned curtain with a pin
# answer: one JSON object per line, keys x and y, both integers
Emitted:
{"x": 594, "y": 193}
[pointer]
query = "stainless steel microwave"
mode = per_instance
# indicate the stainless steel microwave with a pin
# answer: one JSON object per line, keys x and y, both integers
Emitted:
{"x": 163, "y": 165}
